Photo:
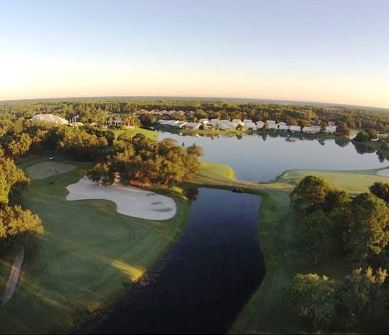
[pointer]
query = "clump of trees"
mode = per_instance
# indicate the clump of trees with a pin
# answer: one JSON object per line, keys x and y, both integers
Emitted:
{"x": 142, "y": 160}
{"x": 332, "y": 224}
{"x": 339, "y": 304}
{"x": 366, "y": 135}
{"x": 15, "y": 222}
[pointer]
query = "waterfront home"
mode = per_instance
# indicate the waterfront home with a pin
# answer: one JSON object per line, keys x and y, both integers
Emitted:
{"x": 282, "y": 126}
{"x": 294, "y": 128}
{"x": 330, "y": 129}
{"x": 172, "y": 123}
{"x": 226, "y": 125}
{"x": 237, "y": 122}
{"x": 311, "y": 129}
{"x": 260, "y": 124}
{"x": 204, "y": 121}
{"x": 249, "y": 125}
{"x": 192, "y": 125}
{"x": 271, "y": 124}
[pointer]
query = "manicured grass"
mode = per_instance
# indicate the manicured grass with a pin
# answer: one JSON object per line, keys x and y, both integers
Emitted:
{"x": 133, "y": 131}
{"x": 87, "y": 257}
{"x": 267, "y": 311}
{"x": 353, "y": 181}
{"x": 46, "y": 169}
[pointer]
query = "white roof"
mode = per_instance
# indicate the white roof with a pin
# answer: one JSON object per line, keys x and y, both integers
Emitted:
{"x": 50, "y": 118}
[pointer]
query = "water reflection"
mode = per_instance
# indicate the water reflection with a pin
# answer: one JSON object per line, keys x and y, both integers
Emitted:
{"x": 262, "y": 157}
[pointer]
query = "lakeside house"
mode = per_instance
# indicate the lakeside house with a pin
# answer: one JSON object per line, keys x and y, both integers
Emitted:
{"x": 330, "y": 129}
{"x": 226, "y": 125}
{"x": 260, "y": 124}
{"x": 249, "y": 125}
{"x": 282, "y": 126}
{"x": 192, "y": 125}
{"x": 311, "y": 129}
{"x": 204, "y": 121}
{"x": 172, "y": 123}
{"x": 271, "y": 124}
{"x": 295, "y": 128}
{"x": 49, "y": 118}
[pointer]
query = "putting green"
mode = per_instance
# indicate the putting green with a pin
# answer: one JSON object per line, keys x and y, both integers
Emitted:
{"x": 86, "y": 259}
{"x": 46, "y": 169}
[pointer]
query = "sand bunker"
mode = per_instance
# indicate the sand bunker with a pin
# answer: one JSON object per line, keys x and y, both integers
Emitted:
{"x": 46, "y": 169}
{"x": 129, "y": 201}
{"x": 383, "y": 172}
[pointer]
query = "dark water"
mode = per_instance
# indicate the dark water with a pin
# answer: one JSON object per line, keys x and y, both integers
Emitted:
{"x": 255, "y": 158}
{"x": 205, "y": 278}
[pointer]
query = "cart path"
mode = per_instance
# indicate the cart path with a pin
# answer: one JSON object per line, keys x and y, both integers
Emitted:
{"x": 14, "y": 276}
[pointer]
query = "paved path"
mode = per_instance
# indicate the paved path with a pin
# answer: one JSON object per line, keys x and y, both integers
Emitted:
{"x": 13, "y": 279}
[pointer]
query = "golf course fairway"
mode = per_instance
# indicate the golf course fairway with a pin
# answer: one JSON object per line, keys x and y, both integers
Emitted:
{"x": 88, "y": 255}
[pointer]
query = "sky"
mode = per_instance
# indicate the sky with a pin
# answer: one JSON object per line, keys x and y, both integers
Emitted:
{"x": 334, "y": 51}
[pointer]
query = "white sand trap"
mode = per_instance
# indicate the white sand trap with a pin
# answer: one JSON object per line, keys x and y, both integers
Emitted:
{"x": 46, "y": 169}
{"x": 383, "y": 172}
{"x": 129, "y": 201}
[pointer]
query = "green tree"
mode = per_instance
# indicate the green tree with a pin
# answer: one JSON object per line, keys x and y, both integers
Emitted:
{"x": 314, "y": 298}
{"x": 309, "y": 194}
{"x": 381, "y": 190}
{"x": 368, "y": 229}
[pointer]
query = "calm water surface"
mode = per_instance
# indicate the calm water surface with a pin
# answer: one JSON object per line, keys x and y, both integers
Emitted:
{"x": 205, "y": 278}
{"x": 257, "y": 159}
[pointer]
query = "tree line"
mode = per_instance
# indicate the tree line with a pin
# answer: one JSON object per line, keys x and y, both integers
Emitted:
{"x": 139, "y": 159}
{"x": 95, "y": 110}
{"x": 332, "y": 225}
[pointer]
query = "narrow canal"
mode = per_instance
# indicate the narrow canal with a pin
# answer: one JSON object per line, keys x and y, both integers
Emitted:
{"x": 206, "y": 277}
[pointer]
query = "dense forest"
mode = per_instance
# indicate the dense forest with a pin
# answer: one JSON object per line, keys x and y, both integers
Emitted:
{"x": 96, "y": 110}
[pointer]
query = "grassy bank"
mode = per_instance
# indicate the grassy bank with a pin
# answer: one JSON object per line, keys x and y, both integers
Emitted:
{"x": 353, "y": 181}
{"x": 133, "y": 131}
{"x": 86, "y": 259}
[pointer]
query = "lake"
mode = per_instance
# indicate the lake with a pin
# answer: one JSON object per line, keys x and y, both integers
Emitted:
{"x": 259, "y": 159}
{"x": 206, "y": 277}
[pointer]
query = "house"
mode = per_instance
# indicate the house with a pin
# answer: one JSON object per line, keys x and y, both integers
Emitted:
{"x": 204, "y": 121}
{"x": 260, "y": 124}
{"x": 282, "y": 126}
{"x": 330, "y": 129}
{"x": 49, "y": 119}
{"x": 294, "y": 128}
{"x": 249, "y": 125}
{"x": 237, "y": 122}
{"x": 226, "y": 125}
{"x": 172, "y": 123}
{"x": 311, "y": 129}
{"x": 192, "y": 125}
{"x": 271, "y": 124}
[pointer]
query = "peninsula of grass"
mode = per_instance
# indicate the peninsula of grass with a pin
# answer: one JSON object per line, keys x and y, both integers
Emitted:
{"x": 136, "y": 130}
{"x": 86, "y": 259}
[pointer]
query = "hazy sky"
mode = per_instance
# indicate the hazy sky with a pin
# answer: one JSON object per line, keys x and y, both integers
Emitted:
{"x": 317, "y": 50}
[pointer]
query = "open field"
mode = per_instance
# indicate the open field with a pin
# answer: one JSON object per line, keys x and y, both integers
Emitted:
{"x": 87, "y": 257}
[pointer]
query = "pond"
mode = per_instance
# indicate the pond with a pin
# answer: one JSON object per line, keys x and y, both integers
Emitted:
{"x": 204, "y": 280}
{"x": 261, "y": 159}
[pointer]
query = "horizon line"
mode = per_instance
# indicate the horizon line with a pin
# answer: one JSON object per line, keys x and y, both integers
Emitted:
{"x": 201, "y": 97}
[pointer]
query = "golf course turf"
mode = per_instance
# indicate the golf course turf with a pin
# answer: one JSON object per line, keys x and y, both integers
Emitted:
{"x": 90, "y": 254}
{"x": 86, "y": 258}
